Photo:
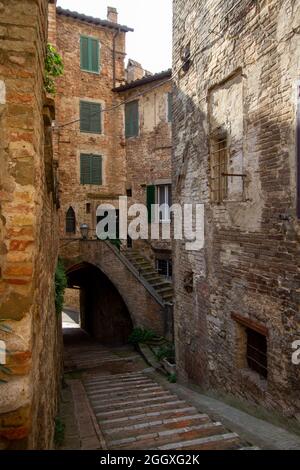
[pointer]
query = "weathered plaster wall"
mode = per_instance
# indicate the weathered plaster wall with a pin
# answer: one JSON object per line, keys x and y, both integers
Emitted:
{"x": 28, "y": 232}
{"x": 243, "y": 76}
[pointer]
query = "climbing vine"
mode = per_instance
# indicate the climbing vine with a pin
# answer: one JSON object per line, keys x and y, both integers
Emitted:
{"x": 60, "y": 286}
{"x": 54, "y": 68}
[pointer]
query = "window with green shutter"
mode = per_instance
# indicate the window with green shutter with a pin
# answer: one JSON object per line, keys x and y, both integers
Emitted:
{"x": 89, "y": 54}
{"x": 132, "y": 119}
{"x": 150, "y": 203}
{"x": 90, "y": 169}
{"x": 170, "y": 106}
{"x": 90, "y": 117}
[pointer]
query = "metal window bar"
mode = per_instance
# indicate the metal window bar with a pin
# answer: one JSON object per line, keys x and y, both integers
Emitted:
{"x": 218, "y": 169}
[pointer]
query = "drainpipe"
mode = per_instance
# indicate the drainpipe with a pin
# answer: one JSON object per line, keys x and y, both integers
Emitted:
{"x": 114, "y": 57}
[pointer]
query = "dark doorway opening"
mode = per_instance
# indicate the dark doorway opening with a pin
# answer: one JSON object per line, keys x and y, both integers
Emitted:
{"x": 103, "y": 313}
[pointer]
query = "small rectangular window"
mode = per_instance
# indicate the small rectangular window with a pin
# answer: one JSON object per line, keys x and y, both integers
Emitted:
{"x": 219, "y": 157}
{"x": 88, "y": 208}
{"x": 90, "y": 169}
{"x": 132, "y": 119}
{"x": 90, "y": 117}
{"x": 257, "y": 352}
{"x": 163, "y": 198}
{"x": 129, "y": 192}
{"x": 89, "y": 54}
{"x": 164, "y": 267}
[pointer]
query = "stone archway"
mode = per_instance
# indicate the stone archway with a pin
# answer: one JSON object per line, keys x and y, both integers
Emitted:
{"x": 103, "y": 312}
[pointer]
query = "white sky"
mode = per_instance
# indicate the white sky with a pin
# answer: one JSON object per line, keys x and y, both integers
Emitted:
{"x": 151, "y": 42}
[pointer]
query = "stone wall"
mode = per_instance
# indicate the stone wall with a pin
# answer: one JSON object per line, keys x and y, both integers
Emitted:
{"x": 240, "y": 82}
{"x": 28, "y": 231}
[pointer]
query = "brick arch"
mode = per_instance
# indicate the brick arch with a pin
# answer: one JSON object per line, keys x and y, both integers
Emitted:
{"x": 144, "y": 309}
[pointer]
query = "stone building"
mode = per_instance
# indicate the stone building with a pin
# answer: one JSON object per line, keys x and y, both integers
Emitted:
{"x": 148, "y": 148}
{"x": 109, "y": 145}
{"x": 28, "y": 232}
{"x": 236, "y": 99}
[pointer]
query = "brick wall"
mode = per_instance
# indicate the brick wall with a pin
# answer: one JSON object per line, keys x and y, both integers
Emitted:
{"x": 242, "y": 82}
{"x": 28, "y": 235}
{"x": 76, "y": 85}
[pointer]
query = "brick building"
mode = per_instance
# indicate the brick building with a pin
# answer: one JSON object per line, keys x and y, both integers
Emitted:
{"x": 28, "y": 232}
{"x": 236, "y": 98}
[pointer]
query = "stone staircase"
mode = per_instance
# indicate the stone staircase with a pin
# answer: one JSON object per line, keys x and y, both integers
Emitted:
{"x": 135, "y": 412}
{"x": 162, "y": 286}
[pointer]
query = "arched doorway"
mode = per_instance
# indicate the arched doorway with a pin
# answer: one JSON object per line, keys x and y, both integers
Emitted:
{"x": 103, "y": 313}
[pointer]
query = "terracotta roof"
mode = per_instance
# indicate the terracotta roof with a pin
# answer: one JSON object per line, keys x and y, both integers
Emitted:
{"x": 145, "y": 80}
{"x": 91, "y": 19}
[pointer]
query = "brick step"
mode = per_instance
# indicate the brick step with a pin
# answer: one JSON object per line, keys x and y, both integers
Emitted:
{"x": 123, "y": 395}
{"x": 109, "y": 378}
{"x": 156, "y": 424}
{"x": 164, "y": 290}
{"x": 172, "y": 405}
{"x": 131, "y": 403}
{"x": 106, "y": 383}
{"x": 218, "y": 442}
{"x": 141, "y": 421}
{"x": 146, "y": 441}
{"x": 116, "y": 388}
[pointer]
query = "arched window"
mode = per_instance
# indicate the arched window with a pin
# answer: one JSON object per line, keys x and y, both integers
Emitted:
{"x": 70, "y": 221}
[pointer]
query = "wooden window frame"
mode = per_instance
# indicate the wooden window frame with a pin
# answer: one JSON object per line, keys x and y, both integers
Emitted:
{"x": 132, "y": 135}
{"x": 70, "y": 219}
{"x": 218, "y": 167}
{"x": 90, "y": 182}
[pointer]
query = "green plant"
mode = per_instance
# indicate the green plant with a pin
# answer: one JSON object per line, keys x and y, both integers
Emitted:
{"x": 166, "y": 352}
{"x": 59, "y": 431}
{"x": 54, "y": 68}
{"x": 172, "y": 378}
{"x": 141, "y": 335}
{"x": 60, "y": 286}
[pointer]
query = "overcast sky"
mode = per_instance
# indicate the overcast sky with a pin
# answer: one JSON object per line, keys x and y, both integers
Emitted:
{"x": 151, "y": 42}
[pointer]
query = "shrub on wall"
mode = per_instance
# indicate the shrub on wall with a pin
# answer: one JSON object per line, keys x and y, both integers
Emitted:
{"x": 60, "y": 286}
{"x": 54, "y": 68}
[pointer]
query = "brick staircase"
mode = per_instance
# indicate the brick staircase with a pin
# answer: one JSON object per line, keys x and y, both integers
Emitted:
{"x": 161, "y": 285}
{"x": 135, "y": 412}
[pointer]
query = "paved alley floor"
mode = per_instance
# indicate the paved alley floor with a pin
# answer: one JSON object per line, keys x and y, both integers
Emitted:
{"x": 112, "y": 400}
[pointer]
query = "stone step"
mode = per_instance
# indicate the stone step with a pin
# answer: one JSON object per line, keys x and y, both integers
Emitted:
{"x": 176, "y": 404}
{"x": 121, "y": 395}
{"x": 114, "y": 382}
{"x": 143, "y": 416}
{"x": 104, "y": 390}
{"x": 121, "y": 399}
{"x": 131, "y": 403}
{"x": 143, "y": 421}
{"x": 218, "y": 442}
{"x": 156, "y": 424}
{"x": 160, "y": 438}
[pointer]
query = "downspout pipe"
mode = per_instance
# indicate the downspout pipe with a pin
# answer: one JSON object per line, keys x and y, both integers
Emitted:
{"x": 114, "y": 57}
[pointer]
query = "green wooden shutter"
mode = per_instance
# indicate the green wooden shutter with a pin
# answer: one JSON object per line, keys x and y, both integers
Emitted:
{"x": 90, "y": 117}
{"x": 95, "y": 118}
{"x": 170, "y": 106}
{"x": 84, "y": 56}
{"x": 84, "y": 116}
{"x": 85, "y": 169}
{"x": 132, "y": 119}
{"x": 150, "y": 202}
{"x": 94, "y": 54}
{"x": 96, "y": 170}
